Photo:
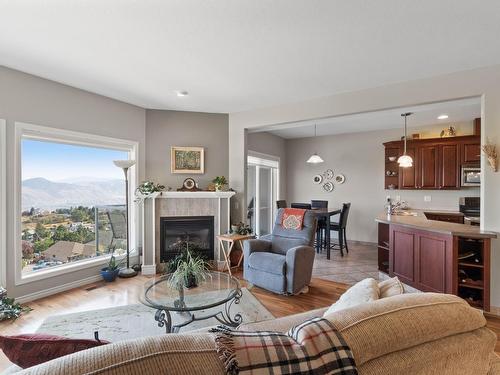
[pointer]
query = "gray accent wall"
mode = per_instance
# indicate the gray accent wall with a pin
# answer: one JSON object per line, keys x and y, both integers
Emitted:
{"x": 26, "y": 98}
{"x": 176, "y": 128}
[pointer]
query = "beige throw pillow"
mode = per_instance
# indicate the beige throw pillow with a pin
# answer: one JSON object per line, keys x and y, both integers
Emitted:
{"x": 364, "y": 291}
{"x": 390, "y": 287}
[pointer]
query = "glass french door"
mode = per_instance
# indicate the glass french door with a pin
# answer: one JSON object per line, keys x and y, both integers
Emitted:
{"x": 262, "y": 193}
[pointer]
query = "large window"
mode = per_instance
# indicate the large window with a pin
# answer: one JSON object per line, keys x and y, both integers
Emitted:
{"x": 72, "y": 200}
{"x": 262, "y": 192}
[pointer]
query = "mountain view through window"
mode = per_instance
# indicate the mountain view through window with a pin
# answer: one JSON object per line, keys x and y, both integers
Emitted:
{"x": 73, "y": 204}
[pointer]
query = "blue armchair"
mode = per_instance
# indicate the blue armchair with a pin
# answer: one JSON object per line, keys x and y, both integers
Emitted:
{"x": 281, "y": 262}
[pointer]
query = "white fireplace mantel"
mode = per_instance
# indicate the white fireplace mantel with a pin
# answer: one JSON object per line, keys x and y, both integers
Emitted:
{"x": 180, "y": 203}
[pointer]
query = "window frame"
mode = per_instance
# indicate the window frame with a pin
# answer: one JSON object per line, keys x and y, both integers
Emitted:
{"x": 50, "y": 134}
{"x": 3, "y": 203}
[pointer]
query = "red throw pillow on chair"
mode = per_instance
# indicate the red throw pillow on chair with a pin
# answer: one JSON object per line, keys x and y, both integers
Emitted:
{"x": 32, "y": 349}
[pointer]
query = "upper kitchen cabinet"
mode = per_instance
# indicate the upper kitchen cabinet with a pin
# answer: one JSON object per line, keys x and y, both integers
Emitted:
{"x": 471, "y": 152}
{"x": 428, "y": 167}
{"x": 449, "y": 170}
{"x": 437, "y": 162}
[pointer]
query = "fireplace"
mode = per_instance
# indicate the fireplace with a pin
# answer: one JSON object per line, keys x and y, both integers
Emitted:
{"x": 178, "y": 231}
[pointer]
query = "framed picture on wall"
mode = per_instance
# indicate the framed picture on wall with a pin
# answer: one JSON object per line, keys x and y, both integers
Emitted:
{"x": 190, "y": 160}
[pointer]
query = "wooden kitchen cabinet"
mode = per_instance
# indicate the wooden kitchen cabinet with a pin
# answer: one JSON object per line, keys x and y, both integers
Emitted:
{"x": 408, "y": 176}
{"x": 449, "y": 170}
{"x": 428, "y": 167}
{"x": 421, "y": 259}
{"x": 471, "y": 152}
{"x": 436, "y": 162}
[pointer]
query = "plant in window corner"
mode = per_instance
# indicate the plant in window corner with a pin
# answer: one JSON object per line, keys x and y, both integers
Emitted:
{"x": 187, "y": 270}
{"x": 110, "y": 272}
{"x": 9, "y": 309}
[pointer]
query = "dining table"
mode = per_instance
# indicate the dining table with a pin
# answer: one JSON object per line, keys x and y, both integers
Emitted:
{"x": 326, "y": 214}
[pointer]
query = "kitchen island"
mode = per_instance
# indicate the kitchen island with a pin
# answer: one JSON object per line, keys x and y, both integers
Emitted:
{"x": 436, "y": 256}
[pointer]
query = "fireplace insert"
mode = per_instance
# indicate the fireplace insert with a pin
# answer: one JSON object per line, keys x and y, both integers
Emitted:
{"x": 179, "y": 232}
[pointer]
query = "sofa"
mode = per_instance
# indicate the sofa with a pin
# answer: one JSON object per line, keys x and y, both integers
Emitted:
{"x": 283, "y": 261}
{"x": 416, "y": 334}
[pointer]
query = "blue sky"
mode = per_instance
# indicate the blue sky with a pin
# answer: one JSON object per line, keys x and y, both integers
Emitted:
{"x": 57, "y": 161}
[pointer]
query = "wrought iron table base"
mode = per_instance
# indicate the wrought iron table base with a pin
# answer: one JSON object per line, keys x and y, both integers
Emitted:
{"x": 164, "y": 317}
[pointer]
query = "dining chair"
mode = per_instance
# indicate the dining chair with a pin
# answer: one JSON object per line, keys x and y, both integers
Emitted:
{"x": 305, "y": 206}
{"x": 281, "y": 204}
{"x": 320, "y": 231}
{"x": 319, "y": 204}
{"x": 340, "y": 228}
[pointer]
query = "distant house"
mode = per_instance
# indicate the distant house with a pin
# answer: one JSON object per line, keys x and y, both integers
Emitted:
{"x": 67, "y": 251}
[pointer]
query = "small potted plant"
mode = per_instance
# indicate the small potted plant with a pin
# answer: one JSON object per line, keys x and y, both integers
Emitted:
{"x": 110, "y": 272}
{"x": 242, "y": 229}
{"x": 9, "y": 309}
{"x": 146, "y": 189}
{"x": 219, "y": 182}
{"x": 187, "y": 270}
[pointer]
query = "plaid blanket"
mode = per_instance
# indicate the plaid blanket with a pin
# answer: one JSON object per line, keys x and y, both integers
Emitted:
{"x": 313, "y": 347}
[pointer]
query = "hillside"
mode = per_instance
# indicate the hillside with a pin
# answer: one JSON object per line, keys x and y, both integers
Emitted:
{"x": 42, "y": 193}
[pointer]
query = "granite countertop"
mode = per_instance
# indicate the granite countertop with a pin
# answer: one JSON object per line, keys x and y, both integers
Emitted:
{"x": 416, "y": 219}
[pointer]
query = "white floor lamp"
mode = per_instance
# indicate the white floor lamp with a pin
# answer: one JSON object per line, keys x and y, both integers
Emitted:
{"x": 125, "y": 165}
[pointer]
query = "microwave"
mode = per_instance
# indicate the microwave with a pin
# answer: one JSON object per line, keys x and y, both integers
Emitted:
{"x": 471, "y": 176}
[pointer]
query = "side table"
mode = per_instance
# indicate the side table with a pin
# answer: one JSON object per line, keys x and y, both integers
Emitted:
{"x": 226, "y": 244}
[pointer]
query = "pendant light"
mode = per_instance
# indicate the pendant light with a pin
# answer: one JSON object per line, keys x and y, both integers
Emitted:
{"x": 315, "y": 158}
{"x": 405, "y": 161}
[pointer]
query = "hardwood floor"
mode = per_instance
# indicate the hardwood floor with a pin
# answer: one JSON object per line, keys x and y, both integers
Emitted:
{"x": 127, "y": 291}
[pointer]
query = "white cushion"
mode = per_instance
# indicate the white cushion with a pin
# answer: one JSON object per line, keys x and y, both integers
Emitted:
{"x": 362, "y": 292}
{"x": 390, "y": 287}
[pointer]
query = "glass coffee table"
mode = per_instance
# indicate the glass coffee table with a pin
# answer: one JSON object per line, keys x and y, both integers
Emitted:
{"x": 217, "y": 290}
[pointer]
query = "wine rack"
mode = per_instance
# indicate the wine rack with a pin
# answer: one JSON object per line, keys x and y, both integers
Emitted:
{"x": 473, "y": 271}
{"x": 383, "y": 248}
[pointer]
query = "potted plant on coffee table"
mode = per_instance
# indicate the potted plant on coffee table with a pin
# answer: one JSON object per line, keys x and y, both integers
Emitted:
{"x": 110, "y": 272}
{"x": 187, "y": 270}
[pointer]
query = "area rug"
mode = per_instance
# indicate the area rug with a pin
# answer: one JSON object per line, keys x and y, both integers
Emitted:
{"x": 137, "y": 320}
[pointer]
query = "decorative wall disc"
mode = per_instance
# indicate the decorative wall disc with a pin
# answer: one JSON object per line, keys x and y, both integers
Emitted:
{"x": 329, "y": 174}
{"x": 340, "y": 179}
{"x": 328, "y": 187}
{"x": 317, "y": 179}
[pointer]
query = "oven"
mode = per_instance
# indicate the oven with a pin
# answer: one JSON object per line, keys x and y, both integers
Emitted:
{"x": 471, "y": 176}
{"x": 471, "y": 208}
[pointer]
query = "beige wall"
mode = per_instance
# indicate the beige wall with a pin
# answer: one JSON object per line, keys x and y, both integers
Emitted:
{"x": 484, "y": 82}
{"x": 26, "y": 98}
{"x": 360, "y": 157}
{"x": 176, "y": 128}
{"x": 270, "y": 144}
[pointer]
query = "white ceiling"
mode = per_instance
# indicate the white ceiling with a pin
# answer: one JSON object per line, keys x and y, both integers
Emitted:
{"x": 457, "y": 111}
{"x": 234, "y": 55}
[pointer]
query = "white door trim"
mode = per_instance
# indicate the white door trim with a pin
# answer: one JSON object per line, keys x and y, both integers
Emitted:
{"x": 3, "y": 203}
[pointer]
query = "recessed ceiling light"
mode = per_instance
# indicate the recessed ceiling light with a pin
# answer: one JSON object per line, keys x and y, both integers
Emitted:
{"x": 442, "y": 117}
{"x": 182, "y": 93}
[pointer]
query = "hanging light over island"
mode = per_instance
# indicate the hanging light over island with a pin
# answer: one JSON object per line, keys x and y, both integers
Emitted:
{"x": 405, "y": 161}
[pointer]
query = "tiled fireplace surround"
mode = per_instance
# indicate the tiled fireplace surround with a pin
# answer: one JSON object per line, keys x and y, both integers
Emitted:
{"x": 168, "y": 204}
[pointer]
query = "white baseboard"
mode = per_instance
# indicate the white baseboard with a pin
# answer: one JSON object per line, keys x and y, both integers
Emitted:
{"x": 494, "y": 310}
{"x": 148, "y": 270}
{"x": 58, "y": 289}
